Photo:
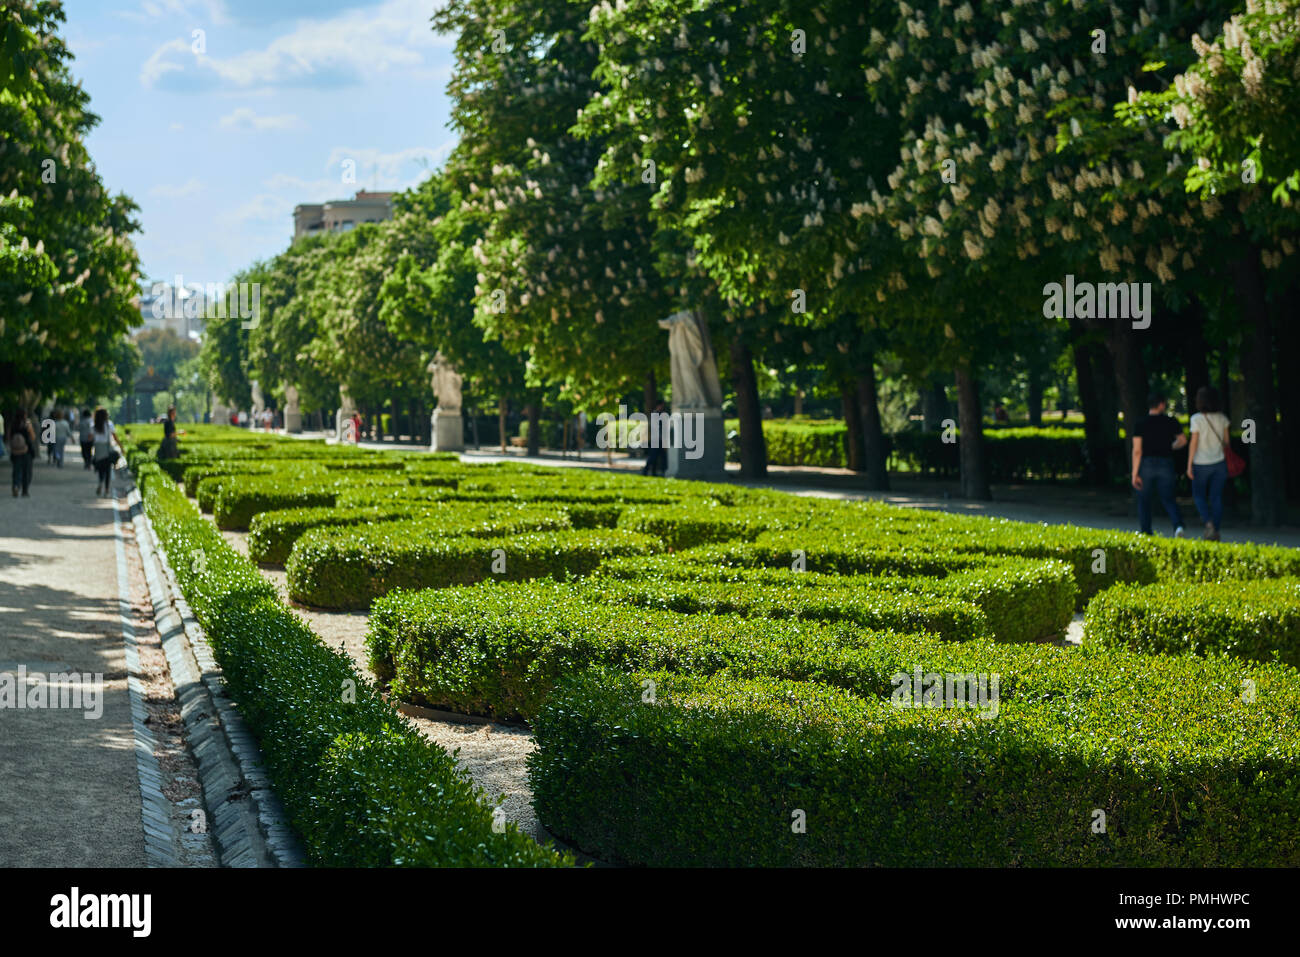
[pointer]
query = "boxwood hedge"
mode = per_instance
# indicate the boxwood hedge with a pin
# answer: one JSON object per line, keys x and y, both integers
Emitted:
{"x": 361, "y": 787}
{"x": 1109, "y": 758}
{"x": 1258, "y": 620}
{"x": 350, "y": 567}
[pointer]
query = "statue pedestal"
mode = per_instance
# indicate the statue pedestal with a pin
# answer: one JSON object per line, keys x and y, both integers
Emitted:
{"x": 344, "y": 433}
{"x": 448, "y": 432}
{"x": 292, "y": 421}
{"x": 706, "y": 458}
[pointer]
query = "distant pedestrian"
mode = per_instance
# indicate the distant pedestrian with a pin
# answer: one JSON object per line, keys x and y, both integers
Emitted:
{"x": 1155, "y": 440}
{"x": 169, "y": 448}
{"x": 21, "y": 442}
{"x": 85, "y": 425}
{"x": 1207, "y": 460}
{"x": 62, "y": 432}
{"x": 105, "y": 437}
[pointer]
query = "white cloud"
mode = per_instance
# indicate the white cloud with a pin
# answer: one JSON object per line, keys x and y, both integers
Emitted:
{"x": 245, "y": 118}
{"x": 354, "y": 45}
{"x": 188, "y": 188}
{"x": 264, "y": 208}
{"x": 379, "y": 170}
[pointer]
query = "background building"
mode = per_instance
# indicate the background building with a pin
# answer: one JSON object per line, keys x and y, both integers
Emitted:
{"x": 340, "y": 215}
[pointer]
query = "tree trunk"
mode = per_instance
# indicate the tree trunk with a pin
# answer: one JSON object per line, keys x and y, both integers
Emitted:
{"x": 874, "y": 453}
{"x": 798, "y": 402}
{"x": 1288, "y": 393}
{"x": 503, "y": 406}
{"x": 534, "y": 425}
{"x": 1034, "y": 398}
{"x": 650, "y": 394}
{"x": 753, "y": 449}
{"x": 1096, "y": 441}
{"x": 1130, "y": 377}
{"x": 1266, "y": 505}
{"x": 934, "y": 407}
{"x": 970, "y": 420}
{"x": 1196, "y": 356}
{"x": 852, "y": 427}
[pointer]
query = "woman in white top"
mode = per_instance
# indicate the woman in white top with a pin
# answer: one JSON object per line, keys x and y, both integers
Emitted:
{"x": 1207, "y": 465}
{"x": 105, "y": 437}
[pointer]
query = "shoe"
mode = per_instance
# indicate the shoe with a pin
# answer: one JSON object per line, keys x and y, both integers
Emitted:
{"x": 1209, "y": 532}
{"x": 1215, "y": 536}
{"x": 26, "y": 495}
{"x": 1180, "y": 532}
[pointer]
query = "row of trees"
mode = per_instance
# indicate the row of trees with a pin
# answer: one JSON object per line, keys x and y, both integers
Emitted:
{"x": 837, "y": 189}
{"x": 67, "y": 264}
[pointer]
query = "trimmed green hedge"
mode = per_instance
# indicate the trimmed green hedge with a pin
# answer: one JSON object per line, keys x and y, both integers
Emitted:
{"x": 728, "y": 771}
{"x": 498, "y": 649}
{"x": 1257, "y": 620}
{"x": 361, "y": 787}
{"x": 350, "y": 567}
{"x": 1022, "y": 599}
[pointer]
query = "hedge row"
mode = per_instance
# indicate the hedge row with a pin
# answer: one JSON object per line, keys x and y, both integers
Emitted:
{"x": 1107, "y": 758}
{"x": 350, "y": 567}
{"x": 1257, "y": 620}
{"x": 499, "y": 648}
{"x": 1020, "y": 599}
{"x": 360, "y": 786}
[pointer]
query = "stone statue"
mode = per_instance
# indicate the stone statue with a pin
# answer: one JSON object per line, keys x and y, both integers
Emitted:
{"x": 292, "y": 411}
{"x": 446, "y": 384}
{"x": 695, "y": 373}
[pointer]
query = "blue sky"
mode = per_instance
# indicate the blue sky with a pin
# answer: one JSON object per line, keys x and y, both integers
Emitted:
{"x": 218, "y": 147}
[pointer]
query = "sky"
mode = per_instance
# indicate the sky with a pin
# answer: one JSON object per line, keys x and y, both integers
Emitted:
{"x": 280, "y": 101}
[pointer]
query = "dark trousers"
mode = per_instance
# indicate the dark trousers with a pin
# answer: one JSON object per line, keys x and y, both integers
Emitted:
{"x": 1208, "y": 482}
{"x": 104, "y": 468}
{"x": 88, "y": 452}
{"x": 22, "y": 469}
{"x": 1157, "y": 475}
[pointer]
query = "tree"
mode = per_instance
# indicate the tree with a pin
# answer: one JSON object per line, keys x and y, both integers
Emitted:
{"x": 67, "y": 265}
{"x": 565, "y": 269}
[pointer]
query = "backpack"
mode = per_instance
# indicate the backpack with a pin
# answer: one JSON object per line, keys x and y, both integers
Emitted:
{"x": 18, "y": 442}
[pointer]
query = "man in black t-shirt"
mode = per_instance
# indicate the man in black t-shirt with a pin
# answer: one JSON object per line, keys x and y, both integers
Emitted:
{"x": 1154, "y": 441}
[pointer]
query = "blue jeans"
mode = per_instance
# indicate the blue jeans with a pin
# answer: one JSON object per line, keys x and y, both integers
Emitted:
{"x": 1208, "y": 482}
{"x": 1157, "y": 475}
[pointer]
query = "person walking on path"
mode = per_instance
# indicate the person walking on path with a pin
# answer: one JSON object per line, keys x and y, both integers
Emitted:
{"x": 105, "y": 437}
{"x": 21, "y": 442}
{"x": 84, "y": 427}
{"x": 62, "y": 431}
{"x": 1155, "y": 439}
{"x": 1207, "y": 461}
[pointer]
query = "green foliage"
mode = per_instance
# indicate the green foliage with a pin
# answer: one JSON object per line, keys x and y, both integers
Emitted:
{"x": 362, "y": 788}
{"x": 1256, "y": 620}
{"x": 349, "y": 567}
{"x": 714, "y": 771}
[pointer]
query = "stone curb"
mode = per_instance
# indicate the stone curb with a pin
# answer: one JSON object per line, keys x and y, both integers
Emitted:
{"x": 160, "y": 838}
{"x": 245, "y": 817}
